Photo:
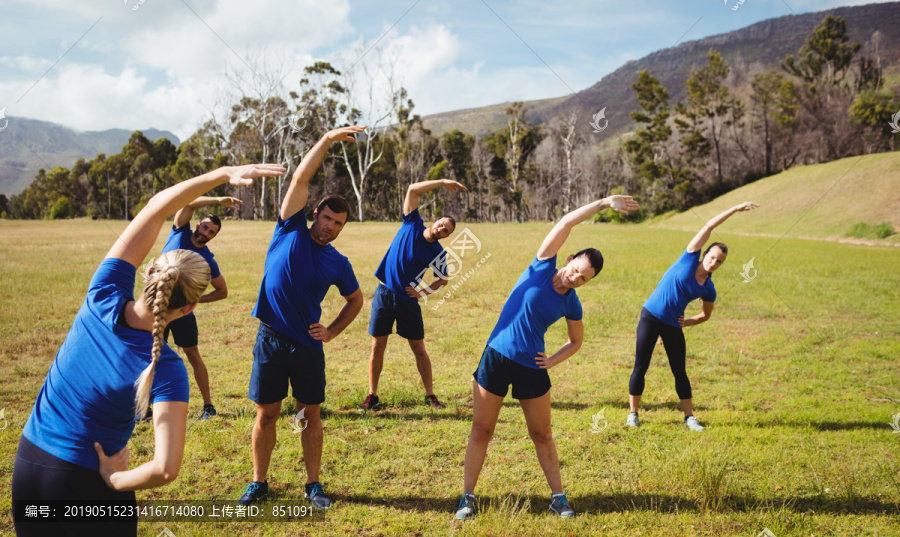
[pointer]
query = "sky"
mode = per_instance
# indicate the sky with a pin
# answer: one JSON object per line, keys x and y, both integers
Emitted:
{"x": 173, "y": 64}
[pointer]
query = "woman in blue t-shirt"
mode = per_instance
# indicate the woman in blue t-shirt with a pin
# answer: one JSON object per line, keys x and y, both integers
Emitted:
{"x": 112, "y": 364}
{"x": 662, "y": 316}
{"x": 515, "y": 352}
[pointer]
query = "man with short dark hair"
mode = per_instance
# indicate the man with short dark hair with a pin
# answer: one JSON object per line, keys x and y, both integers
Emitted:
{"x": 184, "y": 330}
{"x": 414, "y": 249}
{"x": 300, "y": 267}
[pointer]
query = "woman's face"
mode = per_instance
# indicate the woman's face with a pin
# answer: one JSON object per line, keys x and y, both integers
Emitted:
{"x": 713, "y": 259}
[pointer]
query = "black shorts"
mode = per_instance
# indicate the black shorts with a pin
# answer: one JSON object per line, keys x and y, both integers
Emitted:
{"x": 184, "y": 331}
{"x": 40, "y": 477}
{"x": 278, "y": 359}
{"x": 496, "y": 372}
{"x": 387, "y": 307}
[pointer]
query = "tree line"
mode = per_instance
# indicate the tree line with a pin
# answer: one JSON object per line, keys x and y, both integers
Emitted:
{"x": 824, "y": 103}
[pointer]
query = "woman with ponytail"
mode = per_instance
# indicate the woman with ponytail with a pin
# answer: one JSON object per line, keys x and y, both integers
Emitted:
{"x": 111, "y": 366}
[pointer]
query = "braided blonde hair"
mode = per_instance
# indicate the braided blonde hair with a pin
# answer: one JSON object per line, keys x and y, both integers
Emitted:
{"x": 177, "y": 278}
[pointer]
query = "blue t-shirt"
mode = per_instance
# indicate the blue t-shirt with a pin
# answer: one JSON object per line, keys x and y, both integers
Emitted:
{"x": 532, "y": 306}
{"x": 409, "y": 257}
{"x": 677, "y": 288}
{"x": 88, "y": 395}
{"x": 296, "y": 278}
{"x": 180, "y": 239}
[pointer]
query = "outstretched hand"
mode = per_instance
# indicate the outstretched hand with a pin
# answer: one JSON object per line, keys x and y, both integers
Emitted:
{"x": 453, "y": 186}
{"x": 344, "y": 134}
{"x": 118, "y": 462}
{"x": 746, "y": 206}
{"x": 230, "y": 203}
{"x": 244, "y": 175}
{"x": 622, "y": 204}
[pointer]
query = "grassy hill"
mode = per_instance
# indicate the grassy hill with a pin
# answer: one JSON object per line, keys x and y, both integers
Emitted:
{"x": 822, "y": 201}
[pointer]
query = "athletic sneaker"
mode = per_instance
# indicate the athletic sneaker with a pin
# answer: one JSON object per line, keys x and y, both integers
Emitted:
{"x": 560, "y": 506}
{"x": 693, "y": 424}
{"x": 633, "y": 420}
{"x": 466, "y": 507}
{"x": 432, "y": 401}
{"x": 208, "y": 412}
{"x": 316, "y": 495}
{"x": 254, "y": 492}
{"x": 371, "y": 402}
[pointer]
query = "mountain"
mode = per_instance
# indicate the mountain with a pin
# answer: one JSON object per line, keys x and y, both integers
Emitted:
{"x": 26, "y": 145}
{"x": 748, "y": 51}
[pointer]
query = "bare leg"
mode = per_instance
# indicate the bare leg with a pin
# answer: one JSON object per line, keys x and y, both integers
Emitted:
{"x": 263, "y": 438}
{"x": 635, "y": 402}
{"x": 537, "y": 417}
{"x": 200, "y": 373}
{"x": 376, "y": 362}
{"x": 687, "y": 407}
{"x": 485, "y": 411}
{"x": 311, "y": 438}
{"x": 423, "y": 363}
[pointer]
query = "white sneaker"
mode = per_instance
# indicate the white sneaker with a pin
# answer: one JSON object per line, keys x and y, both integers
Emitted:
{"x": 633, "y": 420}
{"x": 693, "y": 424}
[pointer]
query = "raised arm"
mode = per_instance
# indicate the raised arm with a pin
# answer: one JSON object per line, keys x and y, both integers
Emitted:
{"x": 184, "y": 215}
{"x": 560, "y": 232}
{"x": 417, "y": 189}
{"x": 703, "y": 235}
{"x": 298, "y": 191}
{"x": 138, "y": 238}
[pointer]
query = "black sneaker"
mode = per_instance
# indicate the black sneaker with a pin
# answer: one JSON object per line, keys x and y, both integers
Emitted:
{"x": 208, "y": 412}
{"x": 432, "y": 401}
{"x": 316, "y": 495}
{"x": 371, "y": 402}
{"x": 254, "y": 492}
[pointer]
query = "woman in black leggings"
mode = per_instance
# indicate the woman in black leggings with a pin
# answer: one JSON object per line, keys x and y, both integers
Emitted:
{"x": 689, "y": 278}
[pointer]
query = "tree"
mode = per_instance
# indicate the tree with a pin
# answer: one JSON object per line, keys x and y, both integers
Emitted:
{"x": 647, "y": 149}
{"x": 709, "y": 109}
{"x": 379, "y": 107}
{"x": 826, "y": 55}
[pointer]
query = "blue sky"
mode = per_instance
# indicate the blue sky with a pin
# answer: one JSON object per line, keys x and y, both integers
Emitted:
{"x": 172, "y": 64}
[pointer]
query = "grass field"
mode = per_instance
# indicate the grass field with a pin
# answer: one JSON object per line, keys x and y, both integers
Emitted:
{"x": 823, "y": 201}
{"x": 790, "y": 377}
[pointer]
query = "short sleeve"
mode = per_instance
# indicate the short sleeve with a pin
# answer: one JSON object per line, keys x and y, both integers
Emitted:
{"x": 574, "y": 311}
{"x": 711, "y": 293}
{"x": 214, "y": 271}
{"x": 439, "y": 265}
{"x": 110, "y": 288}
{"x": 170, "y": 382}
{"x": 347, "y": 284}
{"x": 294, "y": 223}
{"x": 413, "y": 217}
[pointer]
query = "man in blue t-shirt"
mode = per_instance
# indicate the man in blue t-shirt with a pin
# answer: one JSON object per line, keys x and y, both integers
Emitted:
{"x": 415, "y": 249}
{"x": 184, "y": 330}
{"x": 300, "y": 267}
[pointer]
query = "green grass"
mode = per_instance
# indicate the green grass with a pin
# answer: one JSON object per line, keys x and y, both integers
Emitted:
{"x": 790, "y": 378}
{"x": 821, "y": 201}
{"x": 861, "y": 230}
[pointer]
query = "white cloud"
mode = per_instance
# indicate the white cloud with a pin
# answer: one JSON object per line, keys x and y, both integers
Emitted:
{"x": 25, "y": 63}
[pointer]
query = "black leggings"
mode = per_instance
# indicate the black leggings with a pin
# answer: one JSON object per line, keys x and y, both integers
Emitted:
{"x": 41, "y": 477}
{"x": 648, "y": 329}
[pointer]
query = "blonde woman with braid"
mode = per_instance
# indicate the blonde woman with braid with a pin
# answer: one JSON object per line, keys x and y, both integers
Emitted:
{"x": 112, "y": 364}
